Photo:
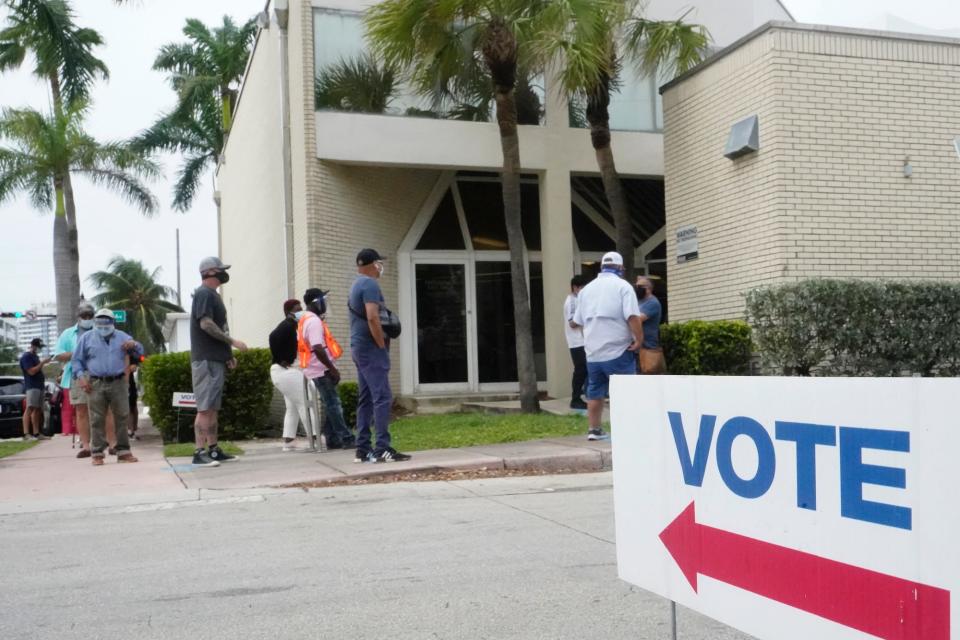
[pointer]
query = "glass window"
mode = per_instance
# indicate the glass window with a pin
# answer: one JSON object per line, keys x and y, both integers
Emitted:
{"x": 483, "y": 208}
{"x": 496, "y": 337}
{"x": 336, "y": 35}
{"x": 589, "y": 236}
{"x": 536, "y": 320}
{"x": 441, "y": 323}
{"x": 633, "y": 107}
{"x": 443, "y": 232}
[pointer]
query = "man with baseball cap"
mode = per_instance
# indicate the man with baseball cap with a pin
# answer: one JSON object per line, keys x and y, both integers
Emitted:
{"x": 211, "y": 354}
{"x": 370, "y": 348}
{"x": 607, "y": 310}
{"x": 34, "y": 386}
{"x": 100, "y": 369}
{"x": 74, "y": 397}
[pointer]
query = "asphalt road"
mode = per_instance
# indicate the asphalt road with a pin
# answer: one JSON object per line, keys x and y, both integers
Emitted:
{"x": 504, "y": 558}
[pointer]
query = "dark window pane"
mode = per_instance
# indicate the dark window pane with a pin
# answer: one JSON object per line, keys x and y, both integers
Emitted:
{"x": 536, "y": 320}
{"x": 530, "y": 212}
{"x": 496, "y": 340}
{"x": 660, "y": 253}
{"x": 589, "y": 237}
{"x": 483, "y": 207}
{"x": 441, "y": 323}
{"x": 443, "y": 232}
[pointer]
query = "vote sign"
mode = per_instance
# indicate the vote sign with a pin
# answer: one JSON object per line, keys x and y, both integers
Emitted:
{"x": 792, "y": 508}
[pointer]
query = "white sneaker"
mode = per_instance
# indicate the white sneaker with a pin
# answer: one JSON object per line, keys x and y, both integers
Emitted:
{"x": 289, "y": 446}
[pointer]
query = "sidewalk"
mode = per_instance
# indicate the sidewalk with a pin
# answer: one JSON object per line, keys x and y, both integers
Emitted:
{"x": 49, "y": 477}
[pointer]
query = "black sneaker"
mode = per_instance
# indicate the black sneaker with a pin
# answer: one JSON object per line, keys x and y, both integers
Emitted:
{"x": 597, "y": 434}
{"x": 391, "y": 455}
{"x": 362, "y": 456}
{"x": 219, "y": 455}
{"x": 578, "y": 404}
{"x": 201, "y": 459}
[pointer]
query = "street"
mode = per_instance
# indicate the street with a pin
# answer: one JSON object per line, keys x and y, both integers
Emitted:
{"x": 525, "y": 557}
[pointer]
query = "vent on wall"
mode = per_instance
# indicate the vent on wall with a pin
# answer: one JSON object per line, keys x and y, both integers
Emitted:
{"x": 744, "y": 138}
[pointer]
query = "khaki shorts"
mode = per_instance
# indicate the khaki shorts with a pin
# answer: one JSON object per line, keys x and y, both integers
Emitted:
{"x": 78, "y": 395}
{"x": 208, "y": 378}
{"x": 35, "y": 398}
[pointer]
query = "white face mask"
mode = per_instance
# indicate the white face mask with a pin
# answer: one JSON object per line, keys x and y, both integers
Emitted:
{"x": 86, "y": 323}
{"x": 298, "y": 315}
{"x": 105, "y": 330}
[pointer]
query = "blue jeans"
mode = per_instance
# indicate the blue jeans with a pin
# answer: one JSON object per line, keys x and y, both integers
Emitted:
{"x": 598, "y": 374}
{"x": 334, "y": 426}
{"x": 374, "y": 398}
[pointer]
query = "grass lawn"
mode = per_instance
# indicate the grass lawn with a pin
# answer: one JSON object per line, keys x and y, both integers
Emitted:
{"x": 186, "y": 449}
{"x": 415, "y": 433}
{"x": 10, "y": 448}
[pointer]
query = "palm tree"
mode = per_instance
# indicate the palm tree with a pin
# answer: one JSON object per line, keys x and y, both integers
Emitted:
{"x": 358, "y": 84}
{"x": 206, "y": 74}
{"x": 64, "y": 58}
{"x": 665, "y": 47}
{"x": 451, "y": 39}
{"x": 128, "y": 285}
{"x": 211, "y": 63}
{"x": 44, "y": 149}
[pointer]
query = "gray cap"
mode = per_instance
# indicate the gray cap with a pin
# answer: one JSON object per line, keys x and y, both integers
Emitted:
{"x": 85, "y": 306}
{"x": 212, "y": 262}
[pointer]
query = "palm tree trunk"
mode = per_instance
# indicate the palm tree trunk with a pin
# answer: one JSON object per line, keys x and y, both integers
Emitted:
{"x": 227, "y": 109}
{"x": 66, "y": 249}
{"x": 500, "y": 54}
{"x": 598, "y": 115}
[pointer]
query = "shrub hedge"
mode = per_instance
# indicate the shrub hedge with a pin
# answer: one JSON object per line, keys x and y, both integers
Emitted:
{"x": 857, "y": 328}
{"x": 700, "y": 347}
{"x": 246, "y": 394}
{"x": 348, "y": 398}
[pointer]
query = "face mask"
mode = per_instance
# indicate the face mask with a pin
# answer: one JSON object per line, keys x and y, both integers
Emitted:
{"x": 223, "y": 277}
{"x": 86, "y": 323}
{"x": 298, "y": 314}
{"x": 105, "y": 330}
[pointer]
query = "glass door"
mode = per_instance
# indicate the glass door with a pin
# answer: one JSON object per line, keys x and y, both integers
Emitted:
{"x": 442, "y": 320}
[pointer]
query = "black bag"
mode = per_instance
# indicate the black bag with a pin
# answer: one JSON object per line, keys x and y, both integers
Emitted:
{"x": 389, "y": 321}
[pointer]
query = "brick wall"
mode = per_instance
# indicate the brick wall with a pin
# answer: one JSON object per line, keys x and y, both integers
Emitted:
{"x": 826, "y": 196}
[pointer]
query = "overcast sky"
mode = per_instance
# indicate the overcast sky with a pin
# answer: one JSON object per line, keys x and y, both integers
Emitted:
{"x": 135, "y": 95}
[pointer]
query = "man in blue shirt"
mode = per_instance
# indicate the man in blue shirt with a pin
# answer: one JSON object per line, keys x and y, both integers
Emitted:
{"x": 651, "y": 353}
{"x": 99, "y": 367}
{"x": 33, "y": 385}
{"x": 75, "y": 396}
{"x": 370, "y": 348}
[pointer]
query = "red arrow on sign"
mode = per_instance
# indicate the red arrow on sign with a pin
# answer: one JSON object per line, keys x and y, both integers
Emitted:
{"x": 881, "y": 605}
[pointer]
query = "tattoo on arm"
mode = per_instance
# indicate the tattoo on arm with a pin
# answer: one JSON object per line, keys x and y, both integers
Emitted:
{"x": 212, "y": 330}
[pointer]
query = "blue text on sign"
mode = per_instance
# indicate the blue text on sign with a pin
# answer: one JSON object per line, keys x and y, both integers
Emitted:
{"x": 854, "y": 473}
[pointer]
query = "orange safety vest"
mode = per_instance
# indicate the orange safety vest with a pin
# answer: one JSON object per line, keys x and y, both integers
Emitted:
{"x": 304, "y": 350}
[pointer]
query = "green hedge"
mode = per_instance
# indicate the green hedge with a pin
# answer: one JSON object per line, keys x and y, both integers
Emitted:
{"x": 348, "y": 398}
{"x": 246, "y": 394}
{"x": 701, "y": 347}
{"x": 857, "y": 328}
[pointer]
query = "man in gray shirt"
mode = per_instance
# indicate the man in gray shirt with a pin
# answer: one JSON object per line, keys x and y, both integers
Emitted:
{"x": 211, "y": 353}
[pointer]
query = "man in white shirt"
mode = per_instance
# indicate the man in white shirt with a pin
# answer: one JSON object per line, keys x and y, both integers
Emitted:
{"x": 574, "y": 335}
{"x": 607, "y": 310}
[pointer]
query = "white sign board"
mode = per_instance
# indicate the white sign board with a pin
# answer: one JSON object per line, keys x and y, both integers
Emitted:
{"x": 184, "y": 400}
{"x": 793, "y": 508}
{"x": 688, "y": 247}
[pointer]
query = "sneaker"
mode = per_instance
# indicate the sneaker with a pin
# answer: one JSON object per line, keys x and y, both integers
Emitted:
{"x": 392, "y": 455}
{"x": 363, "y": 456}
{"x": 112, "y": 451}
{"x": 219, "y": 455}
{"x": 127, "y": 457}
{"x": 27, "y": 438}
{"x": 98, "y": 461}
{"x": 289, "y": 446}
{"x": 578, "y": 404}
{"x": 597, "y": 434}
{"x": 83, "y": 453}
{"x": 40, "y": 436}
{"x": 201, "y": 459}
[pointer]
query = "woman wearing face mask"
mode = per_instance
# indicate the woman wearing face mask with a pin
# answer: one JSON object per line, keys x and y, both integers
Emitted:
{"x": 286, "y": 374}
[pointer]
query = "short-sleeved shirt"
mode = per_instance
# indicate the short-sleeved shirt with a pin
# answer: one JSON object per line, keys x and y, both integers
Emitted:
{"x": 66, "y": 343}
{"x": 28, "y": 361}
{"x": 574, "y": 336}
{"x": 603, "y": 309}
{"x": 313, "y": 335}
{"x": 365, "y": 289}
{"x": 208, "y": 304}
{"x": 651, "y": 326}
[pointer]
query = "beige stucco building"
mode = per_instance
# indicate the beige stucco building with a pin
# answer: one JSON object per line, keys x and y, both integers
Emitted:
{"x": 302, "y": 189}
{"x": 857, "y": 172}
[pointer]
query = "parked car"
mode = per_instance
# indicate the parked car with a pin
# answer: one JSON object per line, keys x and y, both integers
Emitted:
{"x": 13, "y": 402}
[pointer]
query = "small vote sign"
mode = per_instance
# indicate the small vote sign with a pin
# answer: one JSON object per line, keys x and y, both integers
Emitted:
{"x": 792, "y": 508}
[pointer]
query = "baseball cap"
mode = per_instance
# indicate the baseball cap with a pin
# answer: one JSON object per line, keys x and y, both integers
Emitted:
{"x": 612, "y": 258}
{"x": 85, "y": 307}
{"x": 212, "y": 262}
{"x": 367, "y": 256}
{"x": 312, "y": 294}
{"x": 104, "y": 313}
{"x": 37, "y": 342}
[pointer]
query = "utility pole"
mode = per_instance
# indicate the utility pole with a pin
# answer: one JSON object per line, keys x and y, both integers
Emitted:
{"x": 179, "y": 301}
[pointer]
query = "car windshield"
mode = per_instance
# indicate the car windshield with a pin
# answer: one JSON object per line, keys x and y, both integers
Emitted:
{"x": 11, "y": 387}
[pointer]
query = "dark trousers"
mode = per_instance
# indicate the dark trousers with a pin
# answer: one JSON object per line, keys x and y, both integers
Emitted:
{"x": 374, "y": 398}
{"x": 334, "y": 426}
{"x": 579, "y": 357}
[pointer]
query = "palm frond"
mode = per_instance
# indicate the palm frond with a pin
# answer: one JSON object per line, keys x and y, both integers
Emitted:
{"x": 673, "y": 46}
{"x": 188, "y": 180}
{"x": 357, "y": 84}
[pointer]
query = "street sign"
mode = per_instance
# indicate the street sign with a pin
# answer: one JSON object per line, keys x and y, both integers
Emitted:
{"x": 792, "y": 508}
{"x": 120, "y": 316}
{"x": 184, "y": 400}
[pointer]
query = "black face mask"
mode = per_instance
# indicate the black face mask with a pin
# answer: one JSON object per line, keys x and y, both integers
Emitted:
{"x": 641, "y": 292}
{"x": 223, "y": 277}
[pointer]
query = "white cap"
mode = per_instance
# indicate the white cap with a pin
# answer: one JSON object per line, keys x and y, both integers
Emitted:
{"x": 212, "y": 262}
{"x": 612, "y": 258}
{"x": 104, "y": 313}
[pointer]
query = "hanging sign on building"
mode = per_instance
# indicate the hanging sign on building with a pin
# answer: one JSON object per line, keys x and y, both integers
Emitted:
{"x": 792, "y": 508}
{"x": 688, "y": 247}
